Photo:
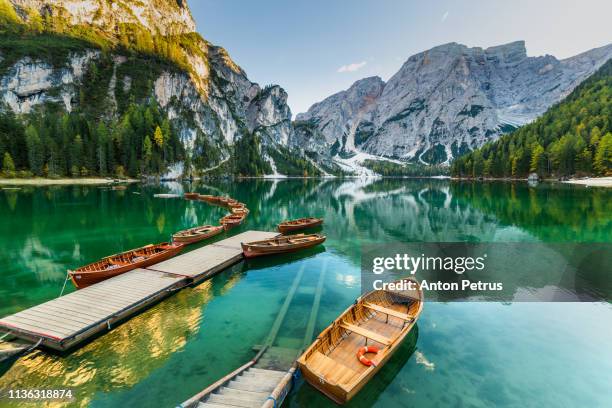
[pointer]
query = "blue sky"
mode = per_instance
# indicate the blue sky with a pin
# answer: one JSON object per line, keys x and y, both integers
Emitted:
{"x": 318, "y": 47}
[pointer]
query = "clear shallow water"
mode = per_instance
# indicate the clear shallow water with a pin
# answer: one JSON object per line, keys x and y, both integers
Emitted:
{"x": 464, "y": 354}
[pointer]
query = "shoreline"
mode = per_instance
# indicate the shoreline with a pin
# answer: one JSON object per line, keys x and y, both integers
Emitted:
{"x": 587, "y": 181}
{"x": 62, "y": 181}
{"x": 591, "y": 182}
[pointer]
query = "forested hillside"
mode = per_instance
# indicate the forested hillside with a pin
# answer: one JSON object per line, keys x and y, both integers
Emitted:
{"x": 51, "y": 142}
{"x": 128, "y": 88}
{"x": 573, "y": 137}
{"x": 60, "y": 144}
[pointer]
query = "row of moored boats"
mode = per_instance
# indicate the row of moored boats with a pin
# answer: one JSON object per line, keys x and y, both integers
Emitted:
{"x": 151, "y": 254}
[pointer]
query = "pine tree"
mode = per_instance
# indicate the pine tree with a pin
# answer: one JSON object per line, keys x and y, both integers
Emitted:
{"x": 584, "y": 162}
{"x": 35, "y": 151}
{"x": 159, "y": 137}
{"x": 603, "y": 156}
{"x": 537, "y": 156}
{"x": 147, "y": 148}
{"x": 8, "y": 167}
{"x": 102, "y": 154}
{"x": 76, "y": 156}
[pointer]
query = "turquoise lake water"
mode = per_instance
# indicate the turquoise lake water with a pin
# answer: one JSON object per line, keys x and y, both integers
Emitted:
{"x": 472, "y": 354}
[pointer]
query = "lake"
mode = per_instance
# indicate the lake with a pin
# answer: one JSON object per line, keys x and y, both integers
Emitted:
{"x": 476, "y": 354}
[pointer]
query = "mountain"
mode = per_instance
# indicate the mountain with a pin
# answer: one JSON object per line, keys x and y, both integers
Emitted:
{"x": 442, "y": 103}
{"x": 574, "y": 137}
{"x": 137, "y": 89}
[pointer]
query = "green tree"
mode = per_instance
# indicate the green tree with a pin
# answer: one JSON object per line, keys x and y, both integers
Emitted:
{"x": 584, "y": 161}
{"x": 537, "y": 159}
{"x": 102, "y": 151}
{"x": 603, "y": 156}
{"x": 478, "y": 165}
{"x": 8, "y": 167}
{"x": 147, "y": 148}
{"x": 76, "y": 156}
{"x": 595, "y": 136}
{"x": 35, "y": 150}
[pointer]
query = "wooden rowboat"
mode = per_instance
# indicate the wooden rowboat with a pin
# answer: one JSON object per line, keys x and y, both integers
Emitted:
{"x": 226, "y": 201}
{"x": 236, "y": 205}
{"x": 191, "y": 196}
{"x": 289, "y": 243}
{"x": 197, "y": 234}
{"x": 239, "y": 210}
{"x": 208, "y": 198}
{"x": 126, "y": 261}
{"x": 232, "y": 220}
{"x": 300, "y": 223}
{"x": 380, "y": 319}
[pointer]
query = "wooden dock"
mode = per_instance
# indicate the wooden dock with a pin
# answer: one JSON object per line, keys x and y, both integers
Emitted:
{"x": 69, "y": 320}
{"x": 207, "y": 261}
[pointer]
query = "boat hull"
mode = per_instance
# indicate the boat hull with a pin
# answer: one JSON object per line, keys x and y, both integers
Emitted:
{"x": 251, "y": 252}
{"x": 337, "y": 393}
{"x": 191, "y": 239}
{"x": 231, "y": 221}
{"x": 285, "y": 227}
{"x": 208, "y": 198}
{"x": 330, "y": 365}
{"x": 83, "y": 279}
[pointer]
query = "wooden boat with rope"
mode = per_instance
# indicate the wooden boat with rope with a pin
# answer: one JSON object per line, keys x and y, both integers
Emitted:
{"x": 191, "y": 196}
{"x": 279, "y": 245}
{"x": 348, "y": 353}
{"x": 124, "y": 262}
{"x": 299, "y": 224}
{"x": 197, "y": 234}
{"x": 232, "y": 220}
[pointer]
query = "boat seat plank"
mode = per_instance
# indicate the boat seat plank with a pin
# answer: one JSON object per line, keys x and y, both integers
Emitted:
{"x": 388, "y": 311}
{"x": 366, "y": 333}
{"x": 332, "y": 370}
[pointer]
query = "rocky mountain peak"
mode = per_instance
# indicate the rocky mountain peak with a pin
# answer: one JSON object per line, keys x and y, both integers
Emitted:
{"x": 513, "y": 52}
{"x": 159, "y": 17}
{"x": 448, "y": 100}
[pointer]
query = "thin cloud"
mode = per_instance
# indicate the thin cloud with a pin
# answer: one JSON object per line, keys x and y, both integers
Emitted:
{"x": 356, "y": 66}
{"x": 444, "y": 16}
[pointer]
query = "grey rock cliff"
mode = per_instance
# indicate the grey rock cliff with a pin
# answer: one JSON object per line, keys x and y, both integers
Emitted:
{"x": 213, "y": 98}
{"x": 447, "y": 100}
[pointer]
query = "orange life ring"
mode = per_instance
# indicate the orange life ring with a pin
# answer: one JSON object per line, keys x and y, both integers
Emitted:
{"x": 366, "y": 349}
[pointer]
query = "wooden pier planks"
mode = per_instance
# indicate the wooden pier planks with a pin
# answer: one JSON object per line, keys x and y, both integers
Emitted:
{"x": 68, "y": 320}
{"x": 64, "y": 322}
{"x": 204, "y": 262}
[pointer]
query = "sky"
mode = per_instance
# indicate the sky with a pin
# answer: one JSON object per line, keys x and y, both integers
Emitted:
{"x": 316, "y": 48}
